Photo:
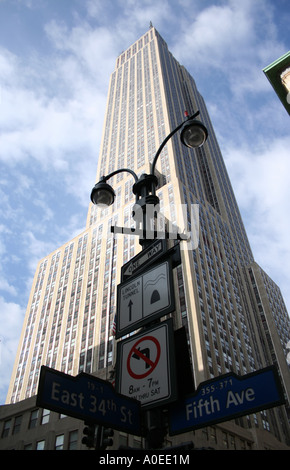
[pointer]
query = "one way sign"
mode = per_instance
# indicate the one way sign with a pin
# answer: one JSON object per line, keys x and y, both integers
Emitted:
{"x": 142, "y": 259}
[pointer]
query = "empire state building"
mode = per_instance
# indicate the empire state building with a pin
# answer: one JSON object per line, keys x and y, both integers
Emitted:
{"x": 233, "y": 312}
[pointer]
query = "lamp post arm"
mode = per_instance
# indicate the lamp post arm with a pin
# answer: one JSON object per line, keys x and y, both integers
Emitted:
{"x": 120, "y": 170}
{"x": 166, "y": 140}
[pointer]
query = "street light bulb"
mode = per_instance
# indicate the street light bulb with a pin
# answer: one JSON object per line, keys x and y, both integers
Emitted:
{"x": 193, "y": 134}
{"x": 102, "y": 194}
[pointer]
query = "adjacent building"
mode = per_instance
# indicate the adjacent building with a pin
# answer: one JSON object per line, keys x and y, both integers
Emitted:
{"x": 278, "y": 74}
{"x": 234, "y": 314}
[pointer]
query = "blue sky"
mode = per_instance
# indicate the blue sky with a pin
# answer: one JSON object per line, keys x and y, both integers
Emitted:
{"x": 56, "y": 57}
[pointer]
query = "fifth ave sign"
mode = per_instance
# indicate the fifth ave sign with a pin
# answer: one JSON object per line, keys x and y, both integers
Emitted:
{"x": 225, "y": 398}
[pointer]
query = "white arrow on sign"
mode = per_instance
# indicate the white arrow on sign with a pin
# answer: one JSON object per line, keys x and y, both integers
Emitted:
{"x": 140, "y": 259}
{"x": 130, "y": 301}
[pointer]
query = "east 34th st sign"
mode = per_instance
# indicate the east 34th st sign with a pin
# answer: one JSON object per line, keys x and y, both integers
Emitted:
{"x": 87, "y": 397}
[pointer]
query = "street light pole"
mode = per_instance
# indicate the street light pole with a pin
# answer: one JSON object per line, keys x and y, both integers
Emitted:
{"x": 193, "y": 135}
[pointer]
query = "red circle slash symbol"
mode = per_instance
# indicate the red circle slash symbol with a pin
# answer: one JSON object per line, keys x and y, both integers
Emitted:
{"x": 138, "y": 354}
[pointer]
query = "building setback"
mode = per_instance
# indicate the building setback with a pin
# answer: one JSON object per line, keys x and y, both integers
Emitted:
{"x": 234, "y": 314}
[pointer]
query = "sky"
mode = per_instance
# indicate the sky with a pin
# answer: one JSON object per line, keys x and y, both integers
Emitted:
{"x": 56, "y": 57}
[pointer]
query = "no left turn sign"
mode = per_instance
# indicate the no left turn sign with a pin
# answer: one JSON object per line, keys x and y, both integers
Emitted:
{"x": 146, "y": 366}
{"x": 145, "y": 353}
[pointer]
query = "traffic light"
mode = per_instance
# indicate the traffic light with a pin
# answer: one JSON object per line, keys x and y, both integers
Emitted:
{"x": 107, "y": 433}
{"x": 89, "y": 435}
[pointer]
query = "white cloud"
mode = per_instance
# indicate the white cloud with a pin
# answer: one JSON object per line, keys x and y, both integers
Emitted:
{"x": 53, "y": 114}
{"x": 264, "y": 168}
{"x": 234, "y": 39}
{"x": 36, "y": 248}
{"x": 10, "y": 328}
{"x": 260, "y": 180}
{"x": 84, "y": 48}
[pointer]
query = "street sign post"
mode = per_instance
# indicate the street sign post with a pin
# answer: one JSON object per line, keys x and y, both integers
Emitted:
{"x": 88, "y": 398}
{"x": 146, "y": 366}
{"x": 144, "y": 298}
{"x": 224, "y": 398}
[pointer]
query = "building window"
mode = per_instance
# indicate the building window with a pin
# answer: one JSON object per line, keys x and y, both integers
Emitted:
{"x": 33, "y": 419}
{"x": 73, "y": 440}
{"x": 212, "y": 435}
{"x": 6, "y": 428}
{"x": 28, "y": 447}
{"x": 232, "y": 441}
{"x": 225, "y": 440}
{"x": 40, "y": 445}
{"x": 17, "y": 424}
{"x": 137, "y": 443}
{"x": 45, "y": 416}
{"x": 59, "y": 442}
{"x": 123, "y": 439}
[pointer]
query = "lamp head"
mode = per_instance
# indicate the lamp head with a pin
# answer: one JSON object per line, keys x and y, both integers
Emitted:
{"x": 102, "y": 194}
{"x": 193, "y": 133}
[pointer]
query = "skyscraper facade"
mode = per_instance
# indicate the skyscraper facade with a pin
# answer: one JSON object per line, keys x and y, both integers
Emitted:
{"x": 233, "y": 312}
